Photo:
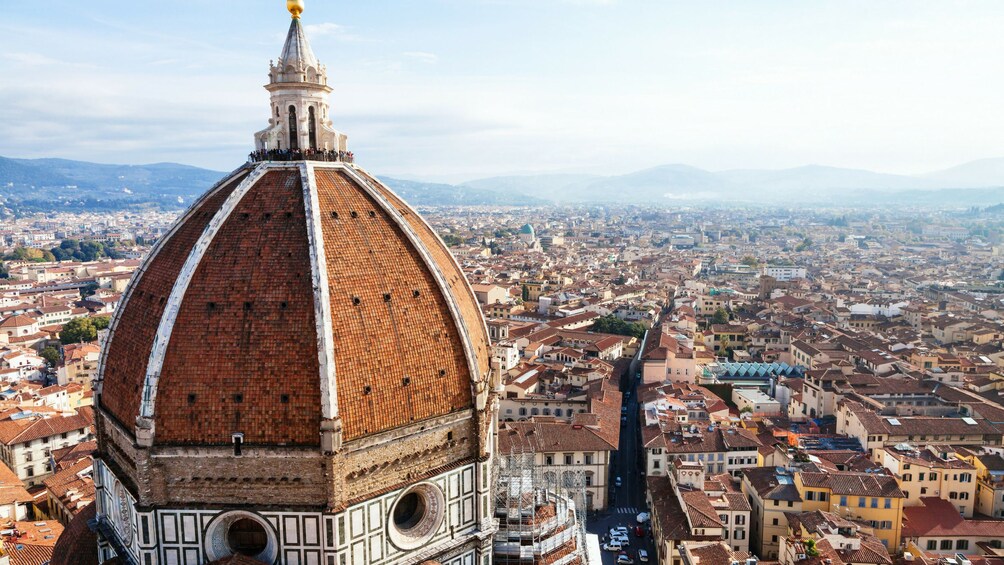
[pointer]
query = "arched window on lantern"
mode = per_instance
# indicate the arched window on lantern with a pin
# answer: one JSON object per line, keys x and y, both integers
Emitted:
{"x": 293, "y": 143}
{"x": 311, "y": 128}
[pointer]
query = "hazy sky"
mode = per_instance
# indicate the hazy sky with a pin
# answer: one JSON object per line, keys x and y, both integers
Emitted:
{"x": 456, "y": 89}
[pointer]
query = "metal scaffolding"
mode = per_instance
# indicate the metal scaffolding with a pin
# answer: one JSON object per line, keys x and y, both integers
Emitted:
{"x": 541, "y": 512}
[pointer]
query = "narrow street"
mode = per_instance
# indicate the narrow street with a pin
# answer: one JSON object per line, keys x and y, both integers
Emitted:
{"x": 629, "y": 499}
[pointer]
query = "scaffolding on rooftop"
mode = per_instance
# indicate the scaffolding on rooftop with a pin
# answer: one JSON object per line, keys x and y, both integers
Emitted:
{"x": 541, "y": 514}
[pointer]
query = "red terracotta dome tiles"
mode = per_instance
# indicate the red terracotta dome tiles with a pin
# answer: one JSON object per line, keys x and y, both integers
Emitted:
{"x": 466, "y": 302}
{"x": 126, "y": 356}
{"x": 398, "y": 357}
{"x": 243, "y": 351}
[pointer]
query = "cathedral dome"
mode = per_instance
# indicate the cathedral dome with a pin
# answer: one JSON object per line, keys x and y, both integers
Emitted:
{"x": 299, "y": 360}
{"x": 292, "y": 294}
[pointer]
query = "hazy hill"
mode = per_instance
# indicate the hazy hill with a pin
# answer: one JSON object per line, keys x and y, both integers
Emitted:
{"x": 47, "y": 184}
{"x": 812, "y": 184}
{"x": 33, "y": 185}
{"x": 438, "y": 194}
{"x": 558, "y": 186}
{"x": 974, "y": 174}
{"x": 825, "y": 179}
{"x": 665, "y": 183}
{"x": 42, "y": 184}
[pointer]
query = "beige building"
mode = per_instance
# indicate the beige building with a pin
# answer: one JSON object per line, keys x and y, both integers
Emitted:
{"x": 871, "y": 499}
{"x": 823, "y": 537}
{"x": 931, "y": 472}
{"x": 565, "y": 452}
{"x": 490, "y": 293}
{"x": 771, "y": 493}
{"x": 80, "y": 363}
{"x": 989, "y": 482}
{"x": 934, "y": 528}
{"x": 690, "y": 507}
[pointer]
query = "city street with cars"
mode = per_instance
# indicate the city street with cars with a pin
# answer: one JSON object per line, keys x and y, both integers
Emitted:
{"x": 619, "y": 522}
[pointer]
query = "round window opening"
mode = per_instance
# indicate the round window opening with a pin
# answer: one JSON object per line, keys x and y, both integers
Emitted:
{"x": 416, "y": 516}
{"x": 241, "y": 533}
{"x": 247, "y": 537}
{"x": 408, "y": 511}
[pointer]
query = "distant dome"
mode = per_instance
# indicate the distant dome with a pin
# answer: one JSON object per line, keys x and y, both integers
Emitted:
{"x": 280, "y": 293}
{"x": 527, "y": 229}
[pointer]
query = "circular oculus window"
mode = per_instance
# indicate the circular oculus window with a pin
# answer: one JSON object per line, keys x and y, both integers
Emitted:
{"x": 241, "y": 533}
{"x": 416, "y": 516}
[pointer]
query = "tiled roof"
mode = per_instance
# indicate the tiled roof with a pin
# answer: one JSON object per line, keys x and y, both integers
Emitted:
{"x": 938, "y": 517}
{"x": 35, "y": 544}
{"x": 540, "y": 437}
{"x": 765, "y": 481}
{"x": 11, "y": 488}
{"x": 27, "y": 429}
{"x": 259, "y": 325}
{"x": 699, "y": 509}
{"x": 78, "y": 545}
{"x": 854, "y": 484}
{"x": 17, "y": 321}
{"x": 380, "y": 343}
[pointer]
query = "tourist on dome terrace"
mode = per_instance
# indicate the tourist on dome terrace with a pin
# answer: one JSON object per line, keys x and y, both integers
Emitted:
{"x": 301, "y": 155}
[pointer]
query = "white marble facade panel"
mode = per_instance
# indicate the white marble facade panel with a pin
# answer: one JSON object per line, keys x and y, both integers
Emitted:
{"x": 362, "y": 534}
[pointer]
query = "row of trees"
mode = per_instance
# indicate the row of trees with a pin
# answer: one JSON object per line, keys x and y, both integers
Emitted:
{"x": 82, "y": 330}
{"x": 29, "y": 254}
{"x": 67, "y": 250}
{"x": 76, "y": 250}
{"x": 615, "y": 325}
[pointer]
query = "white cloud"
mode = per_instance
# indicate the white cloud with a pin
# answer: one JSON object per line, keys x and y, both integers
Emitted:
{"x": 422, "y": 56}
{"x": 333, "y": 30}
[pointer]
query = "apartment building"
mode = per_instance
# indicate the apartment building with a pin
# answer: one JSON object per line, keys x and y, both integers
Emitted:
{"x": 931, "y": 471}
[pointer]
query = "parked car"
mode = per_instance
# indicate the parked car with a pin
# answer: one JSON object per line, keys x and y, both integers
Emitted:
{"x": 624, "y": 558}
{"x": 619, "y": 531}
{"x": 642, "y": 556}
{"x": 612, "y": 546}
{"x": 643, "y": 517}
{"x": 624, "y": 540}
{"x": 639, "y": 531}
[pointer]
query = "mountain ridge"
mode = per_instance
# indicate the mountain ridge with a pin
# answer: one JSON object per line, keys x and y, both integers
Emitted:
{"x": 54, "y": 183}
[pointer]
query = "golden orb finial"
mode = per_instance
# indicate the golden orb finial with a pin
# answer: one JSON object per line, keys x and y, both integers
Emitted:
{"x": 295, "y": 8}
